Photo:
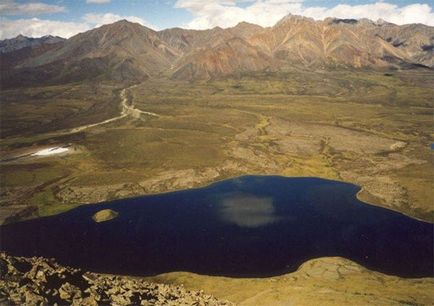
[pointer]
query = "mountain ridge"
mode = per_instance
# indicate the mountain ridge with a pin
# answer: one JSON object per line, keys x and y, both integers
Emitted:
{"x": 127, "y": 51}
{"x": 21, "y": 41}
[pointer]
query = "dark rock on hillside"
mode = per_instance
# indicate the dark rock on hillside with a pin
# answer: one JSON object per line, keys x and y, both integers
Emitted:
{"x": 350, "y": 21}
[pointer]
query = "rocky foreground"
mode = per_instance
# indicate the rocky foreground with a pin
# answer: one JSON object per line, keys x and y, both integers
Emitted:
{"x": 40, "y": 281}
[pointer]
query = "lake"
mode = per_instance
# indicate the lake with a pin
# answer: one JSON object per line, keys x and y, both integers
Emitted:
{"x": 250, "y": 226}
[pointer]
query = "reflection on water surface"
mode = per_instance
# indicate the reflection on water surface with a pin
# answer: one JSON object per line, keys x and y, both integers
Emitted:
{"x": 248, "y": 226}
{"x": 247, "y": 210}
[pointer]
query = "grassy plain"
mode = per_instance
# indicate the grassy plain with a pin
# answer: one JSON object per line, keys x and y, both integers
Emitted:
{"x": 368, "y": 128}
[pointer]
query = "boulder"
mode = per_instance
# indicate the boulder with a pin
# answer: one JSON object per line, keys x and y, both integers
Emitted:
{"x": 40, "y": 281}
{"x": 69, "y": 292}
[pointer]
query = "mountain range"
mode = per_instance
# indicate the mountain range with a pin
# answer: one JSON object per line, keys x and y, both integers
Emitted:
{"x": 20, "y": 42}
{"x": 126, "y": 51}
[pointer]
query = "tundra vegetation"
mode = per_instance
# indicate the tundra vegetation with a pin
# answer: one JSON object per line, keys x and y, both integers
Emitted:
{"x": 363, "y": 127}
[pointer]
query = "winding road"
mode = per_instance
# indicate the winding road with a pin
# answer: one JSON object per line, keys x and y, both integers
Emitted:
{"x": 127, "y": 110}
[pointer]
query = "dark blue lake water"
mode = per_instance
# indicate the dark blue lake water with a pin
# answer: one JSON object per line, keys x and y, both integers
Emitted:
{"x": 248, "y": 226}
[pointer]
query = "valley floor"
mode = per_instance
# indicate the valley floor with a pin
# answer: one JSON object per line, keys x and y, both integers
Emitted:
{"x": 366, "y": 128}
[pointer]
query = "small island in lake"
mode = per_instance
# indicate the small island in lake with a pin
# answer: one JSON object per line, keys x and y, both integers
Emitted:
{"x": 104, "y": 215}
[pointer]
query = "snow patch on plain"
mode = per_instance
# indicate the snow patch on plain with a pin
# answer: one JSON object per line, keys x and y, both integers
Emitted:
{"x": 50, "y": 151}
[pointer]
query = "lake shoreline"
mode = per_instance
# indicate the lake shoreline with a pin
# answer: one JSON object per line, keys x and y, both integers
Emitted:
{"x": 328, "y": 281}
{"x": 363, "y": 195}
{"x": 270, "y": 208}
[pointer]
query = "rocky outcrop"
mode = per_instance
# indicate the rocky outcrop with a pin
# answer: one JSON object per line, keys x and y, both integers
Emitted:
{"x": 39, "y": 281}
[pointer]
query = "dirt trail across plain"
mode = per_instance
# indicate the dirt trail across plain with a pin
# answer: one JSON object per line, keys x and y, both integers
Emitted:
{"x": 127, "y": 110}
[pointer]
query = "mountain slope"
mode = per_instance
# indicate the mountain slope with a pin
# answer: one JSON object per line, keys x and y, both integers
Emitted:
{"x": 300, "y": 41}
{"x": 337, "y": 42}
{"x": 228, "y": 57}
{"x": 119, "y": 51}
{"x": 125, "y": 51}
{"x": 122, "y": 50}
{"x": 20, "y": 42}
{"x": 416, "y": 41}
{"x": 9, "y": 60}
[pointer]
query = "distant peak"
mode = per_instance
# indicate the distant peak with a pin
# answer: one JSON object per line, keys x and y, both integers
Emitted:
{"x": 244, "y": 24}
{"x": 21, "y": 37}
{"x": 126, "y": 24}
{"x": 123, "y": 21}
{"x": 291, "y": 17}
{"x": 381, "y": 22}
